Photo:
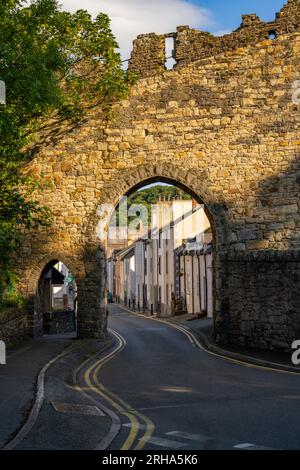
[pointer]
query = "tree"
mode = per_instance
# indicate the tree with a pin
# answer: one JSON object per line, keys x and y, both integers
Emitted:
{"x": 54, "y": 64}
{"x": 151, "y": 196}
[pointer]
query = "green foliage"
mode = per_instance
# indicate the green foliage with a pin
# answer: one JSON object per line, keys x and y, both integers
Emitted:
{"x": 150, "y": 196}
{"x": 53, "y": 63}
{"x": 153, "y": 194}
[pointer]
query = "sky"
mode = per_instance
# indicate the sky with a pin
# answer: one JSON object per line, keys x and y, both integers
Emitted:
{"x": 133, "y": 17}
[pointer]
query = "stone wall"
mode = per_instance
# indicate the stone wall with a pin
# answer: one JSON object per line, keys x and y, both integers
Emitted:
{"x": 265, "y": 310}
{"x": 223, "y": 127}
{"x": 148, "y": 56}
{"x": 13, "y": 325}
{"x": 58, "y": 322}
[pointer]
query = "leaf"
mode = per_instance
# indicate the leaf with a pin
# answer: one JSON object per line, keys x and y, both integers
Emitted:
{"x": 53, "y": 63}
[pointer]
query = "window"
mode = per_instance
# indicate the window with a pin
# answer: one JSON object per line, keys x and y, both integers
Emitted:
{"x": 170, "y": 53}
{"x": 159, "y": 265}
{"x": 167, "y": 263}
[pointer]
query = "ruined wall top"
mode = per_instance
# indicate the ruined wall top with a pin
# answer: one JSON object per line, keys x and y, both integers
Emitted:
{"x": 149, "y": 50}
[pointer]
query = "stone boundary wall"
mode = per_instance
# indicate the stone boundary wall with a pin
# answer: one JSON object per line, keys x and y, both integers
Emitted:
{"x": 58, "y": 322}
{"x": 13, "y": 325}
{"x": 264, "y": 304}
{"x": 149, "y": 57}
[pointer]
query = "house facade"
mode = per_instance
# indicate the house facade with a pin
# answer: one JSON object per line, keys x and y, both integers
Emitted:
{"x": 164, "y": 272}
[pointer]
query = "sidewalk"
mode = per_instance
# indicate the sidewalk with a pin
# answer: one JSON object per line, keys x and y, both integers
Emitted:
{"x": 203, "y": 328}
{"x": 18, "y": 388}
{"x": 18, "y": 380}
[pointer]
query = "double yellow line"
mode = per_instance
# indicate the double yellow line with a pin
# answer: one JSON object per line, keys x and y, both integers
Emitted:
{"x": 195, "y": 342}
{"x": 135, "y": 417}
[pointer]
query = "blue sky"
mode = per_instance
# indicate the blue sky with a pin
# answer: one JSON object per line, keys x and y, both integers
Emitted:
{"x": 227, "y": 13}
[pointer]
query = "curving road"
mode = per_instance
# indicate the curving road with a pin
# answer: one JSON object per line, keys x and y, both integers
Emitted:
{"x": 169, "y": 394}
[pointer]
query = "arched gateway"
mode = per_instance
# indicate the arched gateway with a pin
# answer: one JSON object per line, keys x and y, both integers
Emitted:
{"x": 226, "y": 127}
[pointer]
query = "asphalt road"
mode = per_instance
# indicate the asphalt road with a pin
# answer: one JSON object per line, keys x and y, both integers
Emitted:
{"x": 152, "y": 389}
{"x": 171, "y": 395}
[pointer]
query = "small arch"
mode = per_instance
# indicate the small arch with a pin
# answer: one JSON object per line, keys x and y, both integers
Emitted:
{"x": 55, "y": 309}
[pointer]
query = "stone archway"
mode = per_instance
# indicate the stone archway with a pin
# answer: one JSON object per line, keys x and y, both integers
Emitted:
{"x": 55, "y": 300}
{"x": 88, "y": 272}
{"x": 193, "y": 182}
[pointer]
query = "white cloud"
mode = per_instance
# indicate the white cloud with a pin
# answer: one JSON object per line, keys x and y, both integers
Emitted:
{"x": 133, "y": 17}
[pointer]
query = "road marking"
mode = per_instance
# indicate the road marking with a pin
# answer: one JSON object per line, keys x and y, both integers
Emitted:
{"x": 195, "y": 342}
{"x": 77, "y": 409}
{"x": 151, "y": 329}
{"x": 143, "y": 427}
{"x": 162, "y": 407}
{"x": 247, "y": 446}
{"x": 115, "y": 420}
{"x": 130, "y": 413}
{"x": 134, "y": 429}
{"x": 120, "y": 405}
{"x": 190, "y": 437}
{"x": 166, "y": 443}
{"x": 100, "y": 390}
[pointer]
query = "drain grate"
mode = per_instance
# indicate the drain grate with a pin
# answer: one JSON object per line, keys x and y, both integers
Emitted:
{"x": 77, "y": 409}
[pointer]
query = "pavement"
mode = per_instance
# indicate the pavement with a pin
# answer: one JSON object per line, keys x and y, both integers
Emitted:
{"x": 20, "y": 387}
{"x": 18, "y": 381}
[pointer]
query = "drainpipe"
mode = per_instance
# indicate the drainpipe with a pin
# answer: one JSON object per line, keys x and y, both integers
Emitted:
{"x": 206, "y": 290}
{"x": 179, "y": 274}
{"x": 157, "y": 275}
{"x": 199, "y": 273}
{"x": 184, "y": 270}
{"x": 193, "y": 293}
{"x": 145, "y": 247}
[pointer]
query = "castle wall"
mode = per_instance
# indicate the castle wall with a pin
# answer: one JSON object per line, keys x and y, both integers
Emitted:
{"x": 224, "y": 127}
{"x": 148, "y": 56}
